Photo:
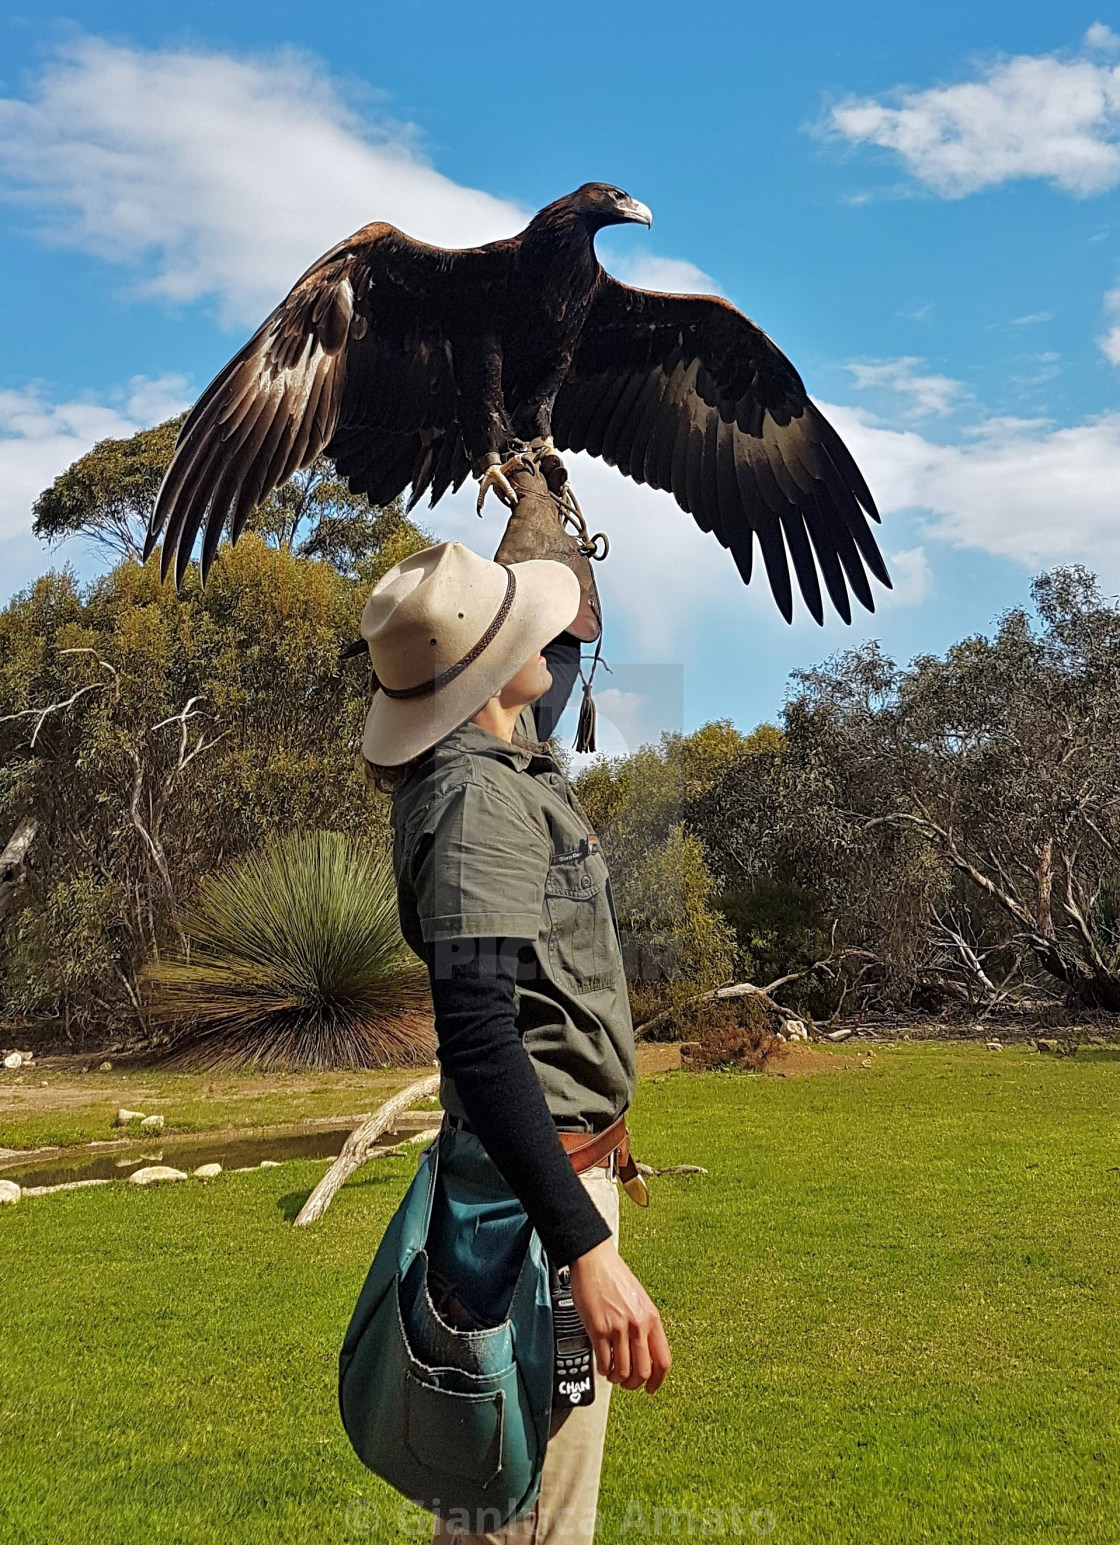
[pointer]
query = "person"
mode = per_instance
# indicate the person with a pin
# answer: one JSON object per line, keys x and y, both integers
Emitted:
{"x": 504, "y": 894}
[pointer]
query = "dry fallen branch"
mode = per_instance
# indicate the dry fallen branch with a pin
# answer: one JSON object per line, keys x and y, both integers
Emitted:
{"x": 360, "y": 1146}
{"x": 749, "y": 990}
{"x": 715, "y": 995}
{"x": 672, "y": 1169}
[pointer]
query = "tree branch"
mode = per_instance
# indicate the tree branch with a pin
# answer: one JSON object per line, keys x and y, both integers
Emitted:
{"x": 360, "y": 1146}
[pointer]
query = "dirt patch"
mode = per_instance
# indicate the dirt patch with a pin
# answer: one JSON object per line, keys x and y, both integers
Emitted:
{"x": 69, "y": 1085}
{"x": 658, "y": 1057}
{"x": 799, "y": 1061}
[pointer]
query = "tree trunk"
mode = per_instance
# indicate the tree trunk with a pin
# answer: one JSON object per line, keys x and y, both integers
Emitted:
{"x": 11, "y": 863}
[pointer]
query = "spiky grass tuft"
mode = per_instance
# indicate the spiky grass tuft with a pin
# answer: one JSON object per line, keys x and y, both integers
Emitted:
{"x": 296, "y": 960}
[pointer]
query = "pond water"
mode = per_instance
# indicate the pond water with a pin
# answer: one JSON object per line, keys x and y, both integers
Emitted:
{"x": 187, "y": 1154}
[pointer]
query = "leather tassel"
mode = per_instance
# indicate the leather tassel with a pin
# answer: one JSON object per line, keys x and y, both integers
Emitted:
{"x": 585, "y": 725}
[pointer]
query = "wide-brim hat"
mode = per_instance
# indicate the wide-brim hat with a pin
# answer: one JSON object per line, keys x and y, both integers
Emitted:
{"x": 446, "y": 630}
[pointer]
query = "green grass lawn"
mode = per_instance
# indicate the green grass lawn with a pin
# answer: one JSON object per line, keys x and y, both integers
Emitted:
{"x": 894, "y": 1305}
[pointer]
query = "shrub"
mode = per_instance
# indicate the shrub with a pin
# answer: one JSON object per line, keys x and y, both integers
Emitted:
{"x": 295, "y": 958}
{"x": 742, "y": 1036}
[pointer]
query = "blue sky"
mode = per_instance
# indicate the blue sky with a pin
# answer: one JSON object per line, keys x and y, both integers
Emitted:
{"x": 918, "y": 204}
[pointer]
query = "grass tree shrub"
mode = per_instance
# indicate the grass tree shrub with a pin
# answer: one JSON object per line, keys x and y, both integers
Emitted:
{"x": 294, "y": 958}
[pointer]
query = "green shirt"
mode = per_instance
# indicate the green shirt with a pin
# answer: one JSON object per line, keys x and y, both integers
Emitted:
{"x": 489, "y": 839}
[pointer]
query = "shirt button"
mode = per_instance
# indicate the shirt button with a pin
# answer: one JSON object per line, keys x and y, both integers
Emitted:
{"x": 586, "y": 882}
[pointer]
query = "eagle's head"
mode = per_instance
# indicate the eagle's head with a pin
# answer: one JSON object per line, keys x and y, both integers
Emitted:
{"x": 601, "y": 203}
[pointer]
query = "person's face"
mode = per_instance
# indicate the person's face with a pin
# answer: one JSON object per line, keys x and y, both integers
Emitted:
{"x": 532, "y": 681}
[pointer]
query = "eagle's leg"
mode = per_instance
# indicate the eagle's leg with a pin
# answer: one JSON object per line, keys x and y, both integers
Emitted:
{"x": 548, "y": 459}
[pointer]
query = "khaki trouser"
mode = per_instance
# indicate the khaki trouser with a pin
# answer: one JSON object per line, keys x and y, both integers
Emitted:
{"x": 564, "y": 1512}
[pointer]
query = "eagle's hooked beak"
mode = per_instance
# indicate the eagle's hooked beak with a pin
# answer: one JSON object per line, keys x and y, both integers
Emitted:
{"x": 639, "y": 213}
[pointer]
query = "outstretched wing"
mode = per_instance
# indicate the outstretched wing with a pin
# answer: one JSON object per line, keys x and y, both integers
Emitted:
{"x": 356, "y": 360}
{"x": 685, "y": 393}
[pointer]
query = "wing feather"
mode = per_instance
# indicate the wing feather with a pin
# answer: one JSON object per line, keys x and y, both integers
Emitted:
{"x": 686, "y": 394}
{"x": 356, "y": 354}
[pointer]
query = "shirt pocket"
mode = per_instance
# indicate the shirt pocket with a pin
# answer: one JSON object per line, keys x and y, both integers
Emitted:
{"x": 583, "y": 953}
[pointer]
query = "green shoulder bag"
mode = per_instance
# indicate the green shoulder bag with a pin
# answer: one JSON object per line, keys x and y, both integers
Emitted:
{"x": 455, "y": 1418}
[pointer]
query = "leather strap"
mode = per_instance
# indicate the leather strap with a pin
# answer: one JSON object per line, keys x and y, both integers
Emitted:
{"x": 587, "y": 1148}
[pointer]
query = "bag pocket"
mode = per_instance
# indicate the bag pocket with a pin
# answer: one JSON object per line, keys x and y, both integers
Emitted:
{"x": 438, "y": 1434}
{"x": 454, "y": 1434}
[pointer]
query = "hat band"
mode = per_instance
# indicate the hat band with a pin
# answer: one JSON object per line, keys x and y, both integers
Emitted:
{"x": 469, "y": 658}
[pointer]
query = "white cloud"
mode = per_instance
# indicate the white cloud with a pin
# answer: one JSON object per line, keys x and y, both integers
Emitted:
{"x": 1102, "y": 38}
{"x": 1110, "y": 343}
{"x": 676, "y": 275}
{"x": 1037, "y": 369}
{"x": 912, "y": 575}
{"x": 923, "y": 395}
{"x": 1020, "y": 489}
{"x": 39, "y": 438}
{"x": 216, "y": 176}
{"x": 1041, "y": 116}
{"x": 212, "y": 176}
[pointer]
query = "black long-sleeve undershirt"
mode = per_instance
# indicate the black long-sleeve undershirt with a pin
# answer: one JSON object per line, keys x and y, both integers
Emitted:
{"x": 481, "y": 1052}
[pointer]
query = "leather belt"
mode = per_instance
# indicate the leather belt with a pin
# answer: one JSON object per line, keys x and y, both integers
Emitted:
{"x": 586, "y": 1149}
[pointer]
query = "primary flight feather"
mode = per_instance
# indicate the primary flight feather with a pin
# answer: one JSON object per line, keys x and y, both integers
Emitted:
{"x": 417, "y": 365}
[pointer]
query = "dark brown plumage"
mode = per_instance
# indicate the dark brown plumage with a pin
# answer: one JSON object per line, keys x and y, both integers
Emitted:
{"x": 411, "y": 364}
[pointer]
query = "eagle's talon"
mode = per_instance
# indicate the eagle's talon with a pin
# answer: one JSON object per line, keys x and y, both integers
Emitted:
{"x": 496, "y": 477}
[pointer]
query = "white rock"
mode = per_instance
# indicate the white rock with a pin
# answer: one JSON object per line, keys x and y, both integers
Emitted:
{"x": 124, "y": 1116}
{"x": 9, "y": 1192}
{"x": 840, "y": 1035}
{"x": 152, "y": 1124}
{"x": 105, "y": 1067}
{"x": 67, "y": 1185}
{"x": 153, "y": 1172}
{"x": 269, "y": 1163}
{"x": 207, "y": 1171}
{"x": 14, "y": 1060}
{"x": 794, "y": 1030}
{"x": 993, "y": 1046}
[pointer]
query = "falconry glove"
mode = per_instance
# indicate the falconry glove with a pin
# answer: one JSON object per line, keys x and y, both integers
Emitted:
{"x": 536, "y": 529}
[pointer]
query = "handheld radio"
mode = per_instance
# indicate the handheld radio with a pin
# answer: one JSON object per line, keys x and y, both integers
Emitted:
{"x": 573, "y": 1381}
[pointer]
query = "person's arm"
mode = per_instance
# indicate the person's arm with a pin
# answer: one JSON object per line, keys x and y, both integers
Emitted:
{"x": 480, "y": 1050}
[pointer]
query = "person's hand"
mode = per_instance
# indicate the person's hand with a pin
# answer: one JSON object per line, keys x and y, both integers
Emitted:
{"x": 618, "y": 1314}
